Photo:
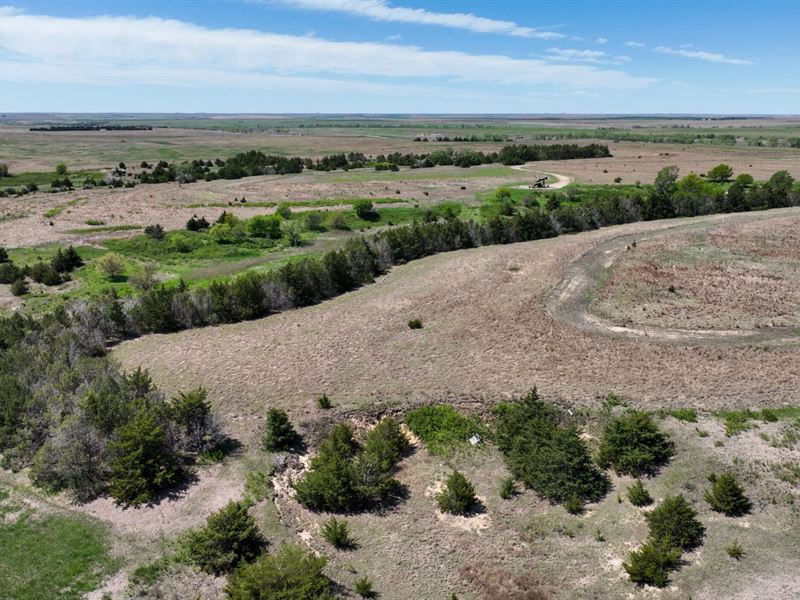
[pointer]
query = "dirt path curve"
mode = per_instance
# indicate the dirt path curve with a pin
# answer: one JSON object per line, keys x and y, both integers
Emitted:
{"x": 570, "y": 300}
{"x": 561, "y": 180}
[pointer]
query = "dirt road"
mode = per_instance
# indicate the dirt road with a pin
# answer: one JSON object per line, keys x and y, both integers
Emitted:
{"x": 561, "y": 180}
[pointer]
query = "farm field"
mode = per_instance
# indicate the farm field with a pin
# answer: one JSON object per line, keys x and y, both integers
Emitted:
{"x": 429, "y": 299}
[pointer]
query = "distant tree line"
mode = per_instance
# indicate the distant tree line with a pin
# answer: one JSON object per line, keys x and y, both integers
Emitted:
{"x": 92, "y": 127}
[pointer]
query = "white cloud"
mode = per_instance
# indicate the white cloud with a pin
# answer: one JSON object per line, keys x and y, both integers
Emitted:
{"x": 601, "y": 40}
{"x": 9, "y": 10}
{"x": 586, "y": 56}
{"x": 713, "y": 57}
{"x": 775, "y": 90}
{"x": 632, "y": 44}
{"x": 169, "y": 52}
{"x": 380, "y": 10}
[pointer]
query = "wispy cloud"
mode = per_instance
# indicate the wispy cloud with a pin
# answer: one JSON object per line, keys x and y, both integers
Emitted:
{"x": 170, "y": 52}
{"x": 381, "y": 10}
{"x": 601, "y": 40}
{"x": 632, "y": 44}
{"x": 713, "y": 57}
{"x": 775, "y": 90}
{"x": 586, "y": 56}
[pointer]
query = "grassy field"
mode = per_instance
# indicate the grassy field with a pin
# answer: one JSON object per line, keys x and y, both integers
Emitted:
{"x": 49, "y": 556}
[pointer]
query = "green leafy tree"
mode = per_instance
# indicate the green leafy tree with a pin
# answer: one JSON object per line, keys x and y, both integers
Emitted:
{"x": 727, "y": 496}
{"x": 457, "y": 496}
{"x": 61, "y": 169}
{"x": 674, "y": 522}
{"x": 111, "y": 265}
{"x": 365, "y": 210}
{"x": 652, "y": 563}
{"x": 633, "y": 445}
{"x": 280, "y": 434}
{"x": 229, "y": 537}
{"x": 291, "y": 574}
{"x": 721, "y": 172}
{"x": 143, "y": 462}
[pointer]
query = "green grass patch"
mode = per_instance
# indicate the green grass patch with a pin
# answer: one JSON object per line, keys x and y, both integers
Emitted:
{"x": 737, "y": 421}
{"x": 44, "y": 178}
{"x": 105, "y": 228}
{"x": 53, "y": 557}
{"x": 442, "y": 428}
{"x": 682, "y": 414}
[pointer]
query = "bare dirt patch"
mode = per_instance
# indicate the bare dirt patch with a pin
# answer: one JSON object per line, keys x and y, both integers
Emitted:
{"x": 708, "y": 280}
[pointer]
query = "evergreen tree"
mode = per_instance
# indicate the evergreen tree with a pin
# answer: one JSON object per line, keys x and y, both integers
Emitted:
{"x": 280, "y": 434}
{"x": 674, "y": 522}
{"x": 458, "y": 495}
{"x": 143, "y": 463}
{"x": 727, "y": 496}
{"x": 633, "y": 445}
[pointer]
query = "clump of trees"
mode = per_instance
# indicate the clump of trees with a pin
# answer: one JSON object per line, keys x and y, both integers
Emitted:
{"x": 633, "y": 445}
{"x": 346, "y": 475}
{"x": 674, "y": 528}
{"x": 545, "y": 453}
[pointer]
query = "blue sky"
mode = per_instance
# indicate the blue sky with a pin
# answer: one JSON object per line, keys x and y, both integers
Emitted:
{"x": 400, "y": 56}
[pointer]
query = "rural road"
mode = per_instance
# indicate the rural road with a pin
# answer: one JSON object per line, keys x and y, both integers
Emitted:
{"x": 561, "y": 180}
{"x": 570, "y": 300}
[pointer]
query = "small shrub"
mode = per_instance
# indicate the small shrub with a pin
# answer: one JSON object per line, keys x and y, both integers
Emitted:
{"x": 727, "y": 496}
{"x": 111, "y": 265}
{"x": 364, "y": 588}
{"x": 365, "y": 210}
{"x": 20, "y": 287}
{"x": 638, "y": 495}
{"x": 458, "y": 495}
{"x": 155, "y": 232}
{"x": 280, "y": 434}
{"x": 414, "y": 324}
{"x": 292, "y": 573}
{"x": 230, "y": 536}
{"x": 674, "y": 522}
{"x": 508, "y": 488}
{"x": 324, "y": 402}
{"x": 735, "y": 551}
{"x": 574, "y": 505}
{"x": 337, "y": 533}
{"x": 652, "y": 563}
{"x": 633, "y": 445}
{"x": 284, "y": 211}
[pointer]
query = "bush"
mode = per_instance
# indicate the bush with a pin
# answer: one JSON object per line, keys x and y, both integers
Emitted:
{"x": 265, "y": 226}
{"x": 365, "y": 210}
{"x": 574, "y": 505}
{"x": 721, "y": 172}
{"x": 674, "y": 522}
{"x": 387, "y": 443}
{"x": 20, "y": 287}
{"x": 638, "y": 495}
{"x": 735, "y": 551}
{"x": 155, "y": 232}
{"x": 652, "y": 563}
{"x": 67, "y": 260}
{"x": 544, "y": 455}
{"x": 633, "y": 445}
{"x": 727, "y": 496}
{"x": 280, "y": 434}
{"x": 337, "y": 533}
{"x": 111, "y": 265}
{"x": 324, "y": 402}
{"x": 314, "y": 221}
{"x": 508, "y": 488}
{"x": 197, "y": 224}
{"x": 441, "y": 427}
{"x": 364, "y": 585}
{"x": 458, "y": 495}
{"x": 415, "y": 324}
{"x": 230, "y": 536}
{"x": 291, "y": 574}
{"x": 191, "y": 412}
{"x": 343, "y": 477}
{"x": 9, "y": 273}
{"x": 143, "y": 462}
